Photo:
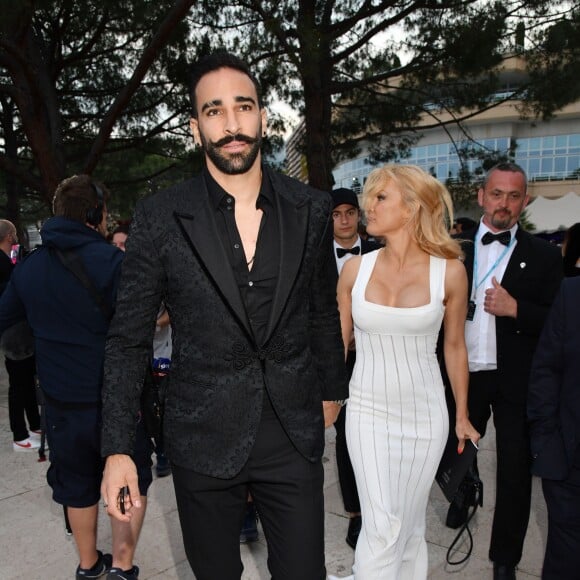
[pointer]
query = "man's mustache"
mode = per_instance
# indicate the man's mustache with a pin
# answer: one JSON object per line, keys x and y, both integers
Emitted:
{"x": 239, "y": 137}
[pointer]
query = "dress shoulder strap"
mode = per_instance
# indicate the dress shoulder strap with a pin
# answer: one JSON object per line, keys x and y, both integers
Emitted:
{"x": 365, "y": 270}
{"x": 437, "y": 268}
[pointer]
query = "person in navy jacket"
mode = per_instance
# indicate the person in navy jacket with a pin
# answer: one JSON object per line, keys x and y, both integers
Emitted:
{"x": 554, "y": 419}
{"x": 69, "y": 329}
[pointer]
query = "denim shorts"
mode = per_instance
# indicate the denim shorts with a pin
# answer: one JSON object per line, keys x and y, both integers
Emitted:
{"x": 76, "y": 465}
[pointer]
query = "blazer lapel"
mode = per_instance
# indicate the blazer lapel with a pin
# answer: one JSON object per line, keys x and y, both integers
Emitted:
{"x": 517, "y": 261}
{"x": 293, "y": 214}
{"x": 200, "y": 231}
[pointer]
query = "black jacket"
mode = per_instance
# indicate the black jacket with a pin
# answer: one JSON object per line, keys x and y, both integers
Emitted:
{"x": 218, "y": 373}
{"x": 554, "y": 394}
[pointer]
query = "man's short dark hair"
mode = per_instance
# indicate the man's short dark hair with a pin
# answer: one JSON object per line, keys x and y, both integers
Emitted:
{"x": 216, "y": 61}
{"x": 121, "y": 229}
{"x": 505, "y": 166}
{"x": 75, "y": 196}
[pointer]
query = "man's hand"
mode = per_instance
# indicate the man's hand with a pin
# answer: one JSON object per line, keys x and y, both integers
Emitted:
{"x": 331, "y": 411}
{"x": 499, "y": 302}
{"x": 120, "y": 471}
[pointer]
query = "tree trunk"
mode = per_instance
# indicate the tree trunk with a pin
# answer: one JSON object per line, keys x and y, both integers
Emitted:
{"x": 34, "y": 104}
{"x": 316, "y": 73}
{"x": 12, "y": 210}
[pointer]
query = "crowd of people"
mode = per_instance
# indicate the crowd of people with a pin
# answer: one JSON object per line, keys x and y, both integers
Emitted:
{"x": 253, "y": 305}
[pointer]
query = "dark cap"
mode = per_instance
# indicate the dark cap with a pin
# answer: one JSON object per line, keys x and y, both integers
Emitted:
{"x": 343, "y": 195}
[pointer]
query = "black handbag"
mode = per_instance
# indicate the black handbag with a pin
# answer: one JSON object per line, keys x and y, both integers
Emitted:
{"x": 458, "y": 478}
{"x": 453, "y": 467}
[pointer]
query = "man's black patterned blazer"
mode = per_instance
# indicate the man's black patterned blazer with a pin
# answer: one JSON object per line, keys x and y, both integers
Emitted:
{"x": 218, "y": 372}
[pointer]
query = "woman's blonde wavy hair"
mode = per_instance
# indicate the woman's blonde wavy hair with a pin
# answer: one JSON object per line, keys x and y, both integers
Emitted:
{"x": 429, "y": 201}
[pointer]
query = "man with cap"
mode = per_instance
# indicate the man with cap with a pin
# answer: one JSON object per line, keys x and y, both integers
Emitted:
{"x": 347, "y": 243}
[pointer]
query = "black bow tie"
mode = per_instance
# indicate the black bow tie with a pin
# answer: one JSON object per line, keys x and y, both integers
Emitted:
{"x": 503, "y": 238}
{"x": 341, "y": 252}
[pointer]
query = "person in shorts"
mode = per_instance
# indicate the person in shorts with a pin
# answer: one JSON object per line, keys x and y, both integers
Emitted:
{"x": 70, "y": 318}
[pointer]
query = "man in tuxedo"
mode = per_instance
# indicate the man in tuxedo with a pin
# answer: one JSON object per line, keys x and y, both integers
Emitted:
{"x": 241, "y": 257}
{"x": 554, "y": 416}
{"x": 347, "y": 243}
{"x": 513, "y": 278}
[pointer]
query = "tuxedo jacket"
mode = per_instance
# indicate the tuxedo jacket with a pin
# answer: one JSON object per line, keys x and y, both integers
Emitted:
{"x": 532, "y": 277}
{"x": 554, "y": 394}
{"x": 365, "y": 247}
{"x": 219, "y": 371}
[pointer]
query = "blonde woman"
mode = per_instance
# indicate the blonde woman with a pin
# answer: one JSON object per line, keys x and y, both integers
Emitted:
{"x": 397, "y": 424}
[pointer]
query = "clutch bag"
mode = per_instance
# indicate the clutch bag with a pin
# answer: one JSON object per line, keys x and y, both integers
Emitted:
{"x": 453, "y": 466}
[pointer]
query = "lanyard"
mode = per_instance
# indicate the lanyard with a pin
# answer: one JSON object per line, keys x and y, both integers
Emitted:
{"x": 477, "y": 284}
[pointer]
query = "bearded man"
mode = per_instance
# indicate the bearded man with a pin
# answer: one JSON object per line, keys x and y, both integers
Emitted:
{"x": 242, "y": 258}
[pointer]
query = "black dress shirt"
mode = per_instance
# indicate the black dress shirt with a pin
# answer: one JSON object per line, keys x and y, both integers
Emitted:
{"x": 257, "y": 280}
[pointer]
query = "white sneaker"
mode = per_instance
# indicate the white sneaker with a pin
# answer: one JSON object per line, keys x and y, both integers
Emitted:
{"x": 28, "y": 444}
{"x": 36, "y": 436}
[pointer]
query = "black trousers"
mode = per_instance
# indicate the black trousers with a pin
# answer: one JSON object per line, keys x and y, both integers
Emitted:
{"x": 288, "y": 494}
{"x": 22, "y": 401}
{"x": 346, "y": 478}
{"x": 487, "y": 394}
{"x": 562, "y": 559}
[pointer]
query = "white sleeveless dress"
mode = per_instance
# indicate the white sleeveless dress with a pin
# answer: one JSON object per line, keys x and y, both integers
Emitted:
{"x": 396, "y": 426}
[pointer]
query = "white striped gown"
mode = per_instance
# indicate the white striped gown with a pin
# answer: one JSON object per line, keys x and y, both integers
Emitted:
{"x": 396, "y": 426}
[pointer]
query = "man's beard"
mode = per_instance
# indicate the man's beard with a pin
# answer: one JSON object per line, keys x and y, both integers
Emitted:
{"x": 235, "y": 163}
{"x": 502, "y": 223}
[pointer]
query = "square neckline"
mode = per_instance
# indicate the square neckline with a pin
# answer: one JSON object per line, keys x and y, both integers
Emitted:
{"x": 400, "y": 308}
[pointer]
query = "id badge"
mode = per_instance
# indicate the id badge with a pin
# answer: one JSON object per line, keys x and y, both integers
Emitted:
{"x": 470, "y": 310}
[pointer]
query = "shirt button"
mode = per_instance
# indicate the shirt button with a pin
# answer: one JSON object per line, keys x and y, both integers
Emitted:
{"x": 250, "y": 283}
{"x": 237, "y": 246}
{"x": 230, "y": 200}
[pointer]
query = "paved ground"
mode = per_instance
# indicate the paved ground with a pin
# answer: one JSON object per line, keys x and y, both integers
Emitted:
{"x": 33, "y": 545}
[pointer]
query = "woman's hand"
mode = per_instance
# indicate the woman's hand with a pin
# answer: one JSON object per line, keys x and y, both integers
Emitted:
{"x": 465, "y": 430}
{"x": 331, "y": 411}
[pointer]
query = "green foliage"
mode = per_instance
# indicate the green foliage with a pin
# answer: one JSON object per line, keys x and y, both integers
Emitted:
{"x": 525, "y": 222}
{"x": 555, "y": 66}
{"x": 362, "y": 73}
{"x": 101, "y": 86}
{"x": 66, "y": 70}
{"x": 463, "y": 188}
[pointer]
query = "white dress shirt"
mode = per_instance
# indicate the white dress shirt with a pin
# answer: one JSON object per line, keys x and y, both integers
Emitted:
{"x": 340, "y": 262}
{"x": 480, "y": 337}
